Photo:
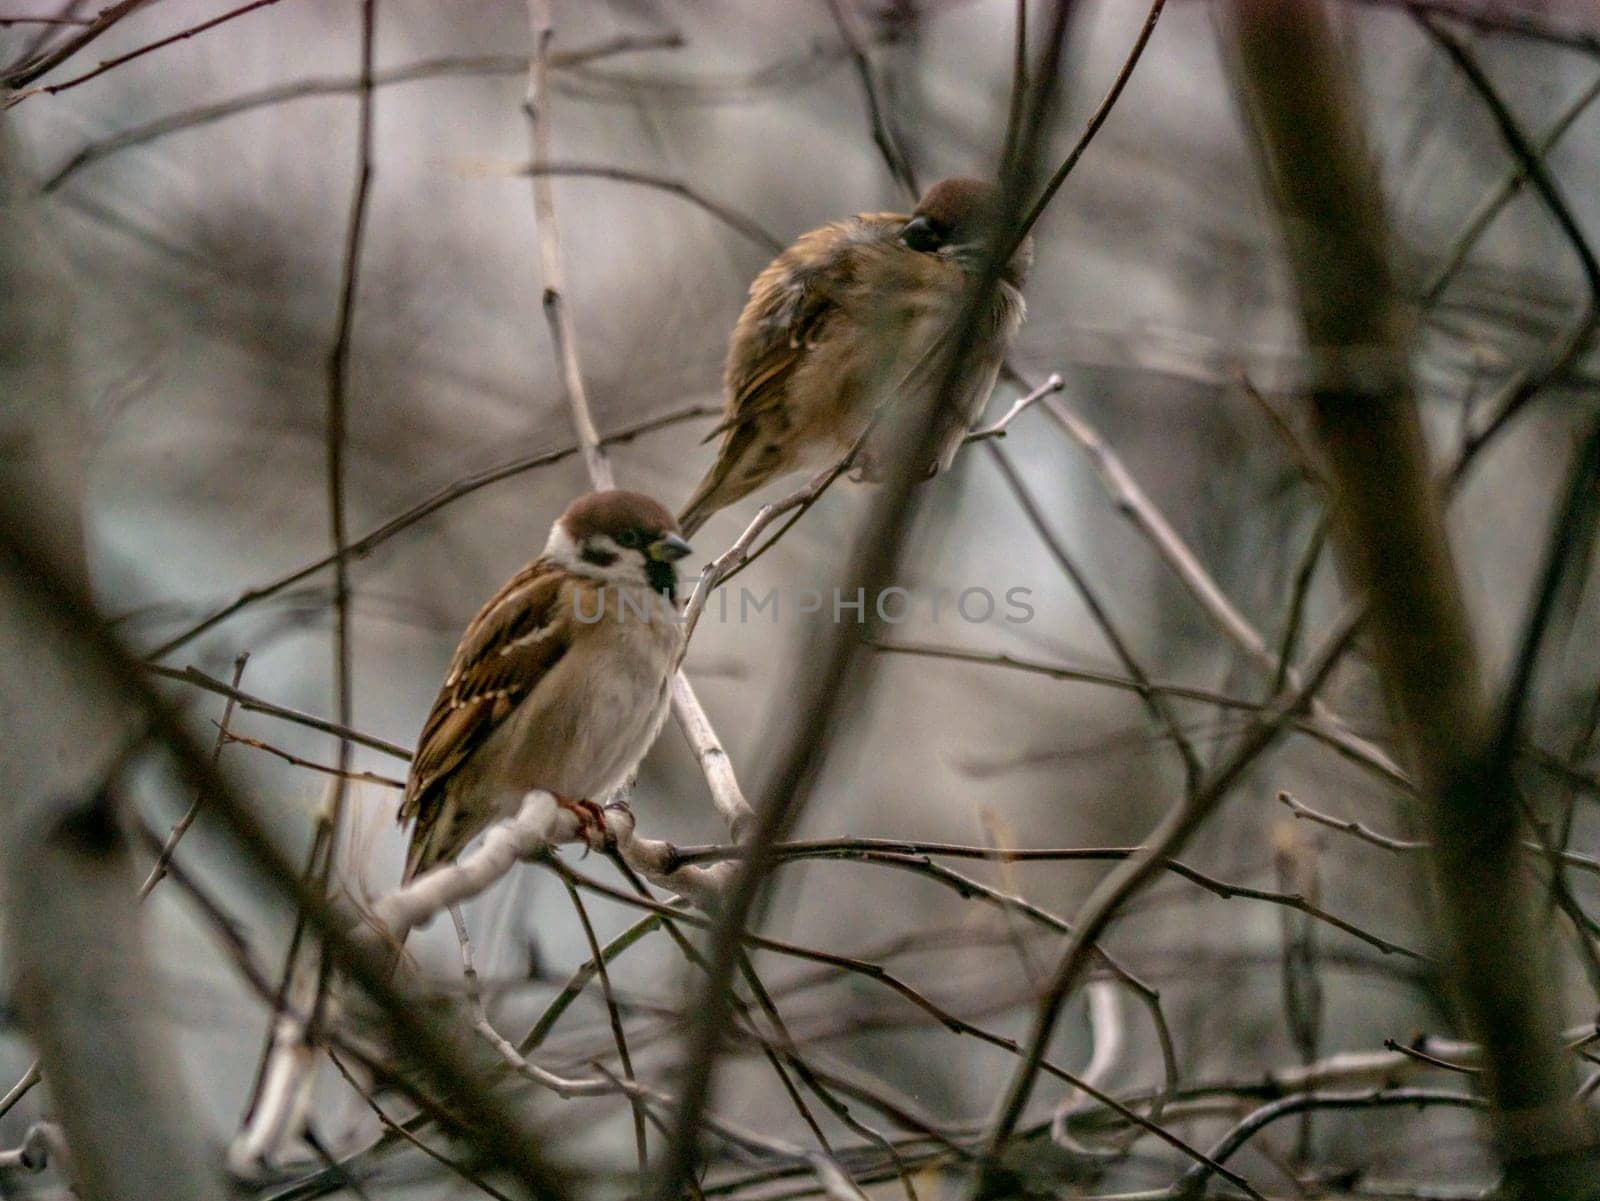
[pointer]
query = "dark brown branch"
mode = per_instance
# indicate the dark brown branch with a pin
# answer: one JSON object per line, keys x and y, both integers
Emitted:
{"x": 1129, "y": 877}
{"x": 338, "y": 85}
{"x": 28, "y": 71}
{"x": 21, "y": 20}
{"x": 104, "y": 667}
{"x": 1389, "y": 526}
{"x": 254, "y": 704}
{"x": 614, "y": 1018}
{"x": 1095, "y": 121}
{"x": 1433, "y": 1061}
{"x": 338, "y": 403}
{"x": 181, "y": 826}
{"x": 110, "y": 64}
{"x": 1263, "y": 1117}
{"x": 884, "y": 135}
{"x": 911, "y": 855}
{"x": 870, "y": 566}
{"x": 449, "y": 494}
{"x": 1154, "y": 702}
{"x": 364, "y": 777}
{"x": 746, "y": 226}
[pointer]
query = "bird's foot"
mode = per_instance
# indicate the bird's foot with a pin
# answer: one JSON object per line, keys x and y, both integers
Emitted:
{"x": 591, "y": 821}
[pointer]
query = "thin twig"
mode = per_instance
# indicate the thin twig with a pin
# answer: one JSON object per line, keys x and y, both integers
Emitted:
{"x": 1432, "y": 1061}
{"x": 30, "y": 70}
{"x": 883, "y": 131}
{"x": 1492, "y": 205}
{"x": 1271, "y": 1112}
{"x": 911, "y": 856}
{"x": 597, "y": 958}
{"x": 20, "y": 1089}
{"x": 286, "y": 1053}
{"x": 363, "y": 546}
{"x": 1053, "y": 383}
{"x": 1095, "y": 121}
{"x": 331, "y": 819}
{"x": 1134, "y": 503}
{"x": 254, "y": 704}
{"x": 1154, "y": 702}
{"x": 109, "y": 64}
{"x": 581, "y": 977}
{"x": 742, "y": 224}
{"x": 432, "y": 68}
{"x": 1134, "y": 873}
{"x": 365, "y": 777}
{"x": 181, "y": 826}
{"x": 739, "y": 556}
{"x": 551, "y": 262}
{"x": 1365, "y": 833}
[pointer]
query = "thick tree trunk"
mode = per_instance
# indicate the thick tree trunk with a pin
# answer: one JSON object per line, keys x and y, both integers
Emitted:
{"x": 78, "y": 969}
{"x": 1390, "y": 529}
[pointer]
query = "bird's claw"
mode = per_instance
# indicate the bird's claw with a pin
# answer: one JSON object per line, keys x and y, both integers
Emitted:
{"x": 592, "y": 828}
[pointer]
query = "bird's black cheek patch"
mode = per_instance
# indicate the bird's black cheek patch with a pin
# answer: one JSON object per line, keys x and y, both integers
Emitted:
{"x": 663, "y": 578}
{"x": 600, "y": 558}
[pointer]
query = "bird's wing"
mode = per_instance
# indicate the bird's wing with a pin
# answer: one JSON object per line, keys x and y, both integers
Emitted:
{"x": 511, "y": 645}
{"x": 789, "y": 312}
{"x": 926, "y": 373}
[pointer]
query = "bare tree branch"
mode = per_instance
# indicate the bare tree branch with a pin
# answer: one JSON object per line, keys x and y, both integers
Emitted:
{"x": 88, "y": 1001}
{"x": 1388, "y": 522}
{"x": 112, "y": 63}
{"x": 361, "y": 547}
{"x": 338, "y": 85}
{"x": 30, "y": 69}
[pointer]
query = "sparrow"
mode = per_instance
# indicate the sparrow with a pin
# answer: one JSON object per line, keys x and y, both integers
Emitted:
{"x": 559, "y": 683}
{"x": 848, "y": 320}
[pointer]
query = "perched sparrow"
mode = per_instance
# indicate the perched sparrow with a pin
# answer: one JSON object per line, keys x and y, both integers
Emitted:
{"x": 851, "y": 317}
{"x": 559, "y": 683}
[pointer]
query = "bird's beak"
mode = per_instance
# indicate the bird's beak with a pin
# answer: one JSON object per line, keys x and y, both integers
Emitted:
{"x": 668, "y": 548}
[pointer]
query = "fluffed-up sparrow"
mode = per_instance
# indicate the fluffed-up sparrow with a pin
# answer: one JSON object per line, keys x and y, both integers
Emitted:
{"x": 852, "y": 318}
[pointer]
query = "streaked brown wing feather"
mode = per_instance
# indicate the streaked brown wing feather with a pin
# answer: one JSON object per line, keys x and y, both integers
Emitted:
{"x": 789, "y": 312}
{"x": 508, "y": 648}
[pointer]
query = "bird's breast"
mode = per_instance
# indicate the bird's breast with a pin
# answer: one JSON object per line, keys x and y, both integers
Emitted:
{"x": 583, "y": 731}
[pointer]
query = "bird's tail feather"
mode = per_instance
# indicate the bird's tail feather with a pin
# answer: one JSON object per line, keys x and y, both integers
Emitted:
{"x": 700, "y": 506}
{"x": 724, "y": 484}
{"x": 426, "y": 838}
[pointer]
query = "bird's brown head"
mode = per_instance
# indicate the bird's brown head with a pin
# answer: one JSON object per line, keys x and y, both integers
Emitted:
{"x": 959, "y": 218}
{"x": 621, "y": 537}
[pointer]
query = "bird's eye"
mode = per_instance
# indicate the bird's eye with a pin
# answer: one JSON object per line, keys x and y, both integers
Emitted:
{"x": 628, "y": 539}
{"x": 920, "y": 234}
